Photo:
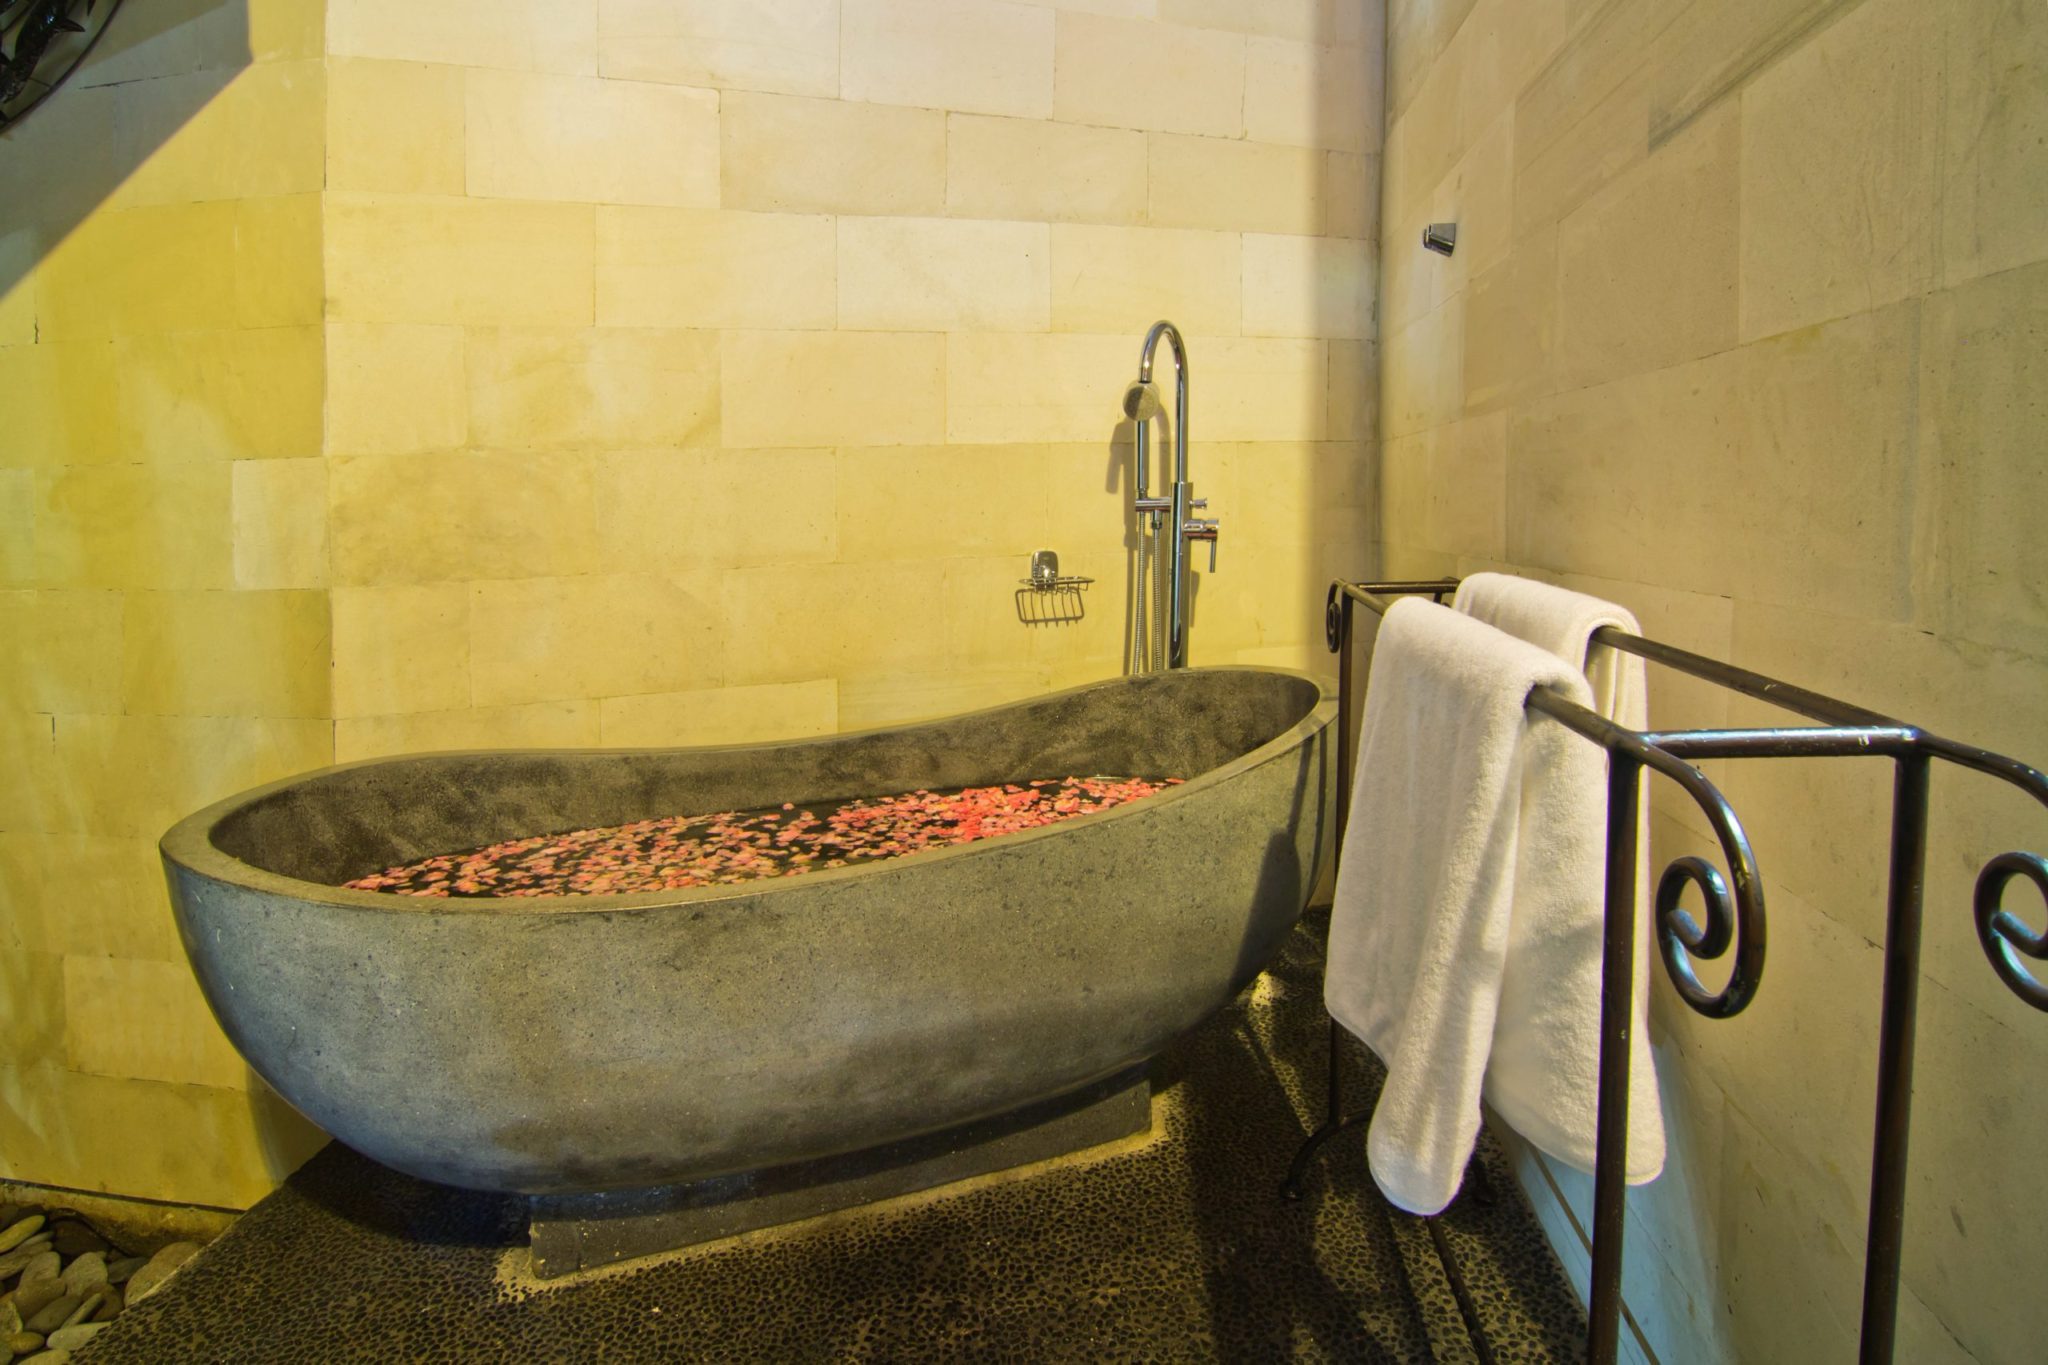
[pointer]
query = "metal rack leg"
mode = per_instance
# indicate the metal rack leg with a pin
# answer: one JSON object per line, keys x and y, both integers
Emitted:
{"x": 1895, "y": 1061}
{"x": 1617, "y": 1026}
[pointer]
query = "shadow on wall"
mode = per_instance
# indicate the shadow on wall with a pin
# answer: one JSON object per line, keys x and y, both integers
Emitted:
{"x": 157, "y": 65}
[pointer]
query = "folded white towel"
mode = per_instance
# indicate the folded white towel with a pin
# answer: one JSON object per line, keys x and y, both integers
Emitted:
{"x": 1544, "y": 1076}
{"x": 1470, "y": 814}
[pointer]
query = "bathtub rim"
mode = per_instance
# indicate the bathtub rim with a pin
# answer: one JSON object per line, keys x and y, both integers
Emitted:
{"x": 188, "y": 845}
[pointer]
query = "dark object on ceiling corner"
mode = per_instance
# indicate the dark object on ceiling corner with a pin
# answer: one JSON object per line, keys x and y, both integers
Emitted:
{"x": 41, "y": 43}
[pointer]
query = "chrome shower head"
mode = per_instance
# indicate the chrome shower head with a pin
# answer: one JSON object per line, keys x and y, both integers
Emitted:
{"x": 1141, "y": 401}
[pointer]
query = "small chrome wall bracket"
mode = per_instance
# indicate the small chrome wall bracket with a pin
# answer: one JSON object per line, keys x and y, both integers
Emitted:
{"x": 1442, "y": 238}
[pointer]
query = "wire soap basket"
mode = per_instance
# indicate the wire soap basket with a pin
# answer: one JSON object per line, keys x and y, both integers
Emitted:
{"x": 1049, "y": 597}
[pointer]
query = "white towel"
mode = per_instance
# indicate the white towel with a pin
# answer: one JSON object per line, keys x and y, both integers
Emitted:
{"x": 1544, "y": 1076}
{"x": 1470, "y": 814}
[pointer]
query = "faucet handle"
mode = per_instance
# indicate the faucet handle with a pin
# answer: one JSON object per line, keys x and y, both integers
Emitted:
{"x": 1202, "y": 528}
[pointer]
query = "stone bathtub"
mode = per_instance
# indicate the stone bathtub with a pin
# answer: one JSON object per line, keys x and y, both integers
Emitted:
{"x": 557, "y": 1046}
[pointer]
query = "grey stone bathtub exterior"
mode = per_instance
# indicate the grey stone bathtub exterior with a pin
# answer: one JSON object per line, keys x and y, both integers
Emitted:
{"x": 557, "y": 1045}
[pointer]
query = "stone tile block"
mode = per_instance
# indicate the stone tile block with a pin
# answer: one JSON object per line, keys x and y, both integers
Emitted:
{"x": 540, "y": 725}
{"x": 1010, "y": 387}
{"x": 395, "y": 389}
{"x": 474, "y": 261}
{"x": 592, "y": 388}
{"x": 1122, "y": 279}
{"x": 219, "y": 395}
{"x": 568, "y": 639}
{"x": 511, "y": 35}
{"x": 583, "y": 139}
{"x": 191, "y": 761}
{"x": 1231, "y": 186}
{"x": 1422, "y": 372}
{"x": 938, "y": 502}
{"x": 941, "y": 274}
{"x": 88, "y": 896}
{"x": 1307, "y": 95}
{"x": 1668, "y": 231}
{"x": 783, "y": 154}
{"x": 135, "y": 526}
{"x": 724, "y": 715}
{"x": 191, "y": 138}
{"x": 400, "y": 649}
{"x": 1710, "y": 51}
{"x": 142, "y": 1020}
{"x": 789, "y": 47}
{"x": 395, "y": 127}
{"x": 279, "y": 278}
{"x": 215, "y": 1147}
{"x": 1134, "y": 73}
{"x": 1995, "y": 146}
{"x": 1981, "y": 377}
{"x": 977, "y": 56}
{"x": 1324, "y": 21}
{"x": 801, "y": 622}
{"x": 59, "y": 394}
{"x": 460, "y": 515}
{"x": 1307, "y": 287}
{"x": 665, "y": 510}
{"x": 1029, "y": 169}
{"x": 226, "y": 654}
{"x": 1511, "y": 327}
{"x": 156, "y": 268}
{"x": 66, "y": 651}
{"x": 715, "y": 268}
{"x": 1262, "y": 389}
{"x": 1351, "y": 197}
{"x": 1841, "y": 149}
{"x": 827, "y": 388}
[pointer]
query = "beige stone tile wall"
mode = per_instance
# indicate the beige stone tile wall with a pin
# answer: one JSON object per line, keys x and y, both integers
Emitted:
{"x": 382, "y": 377}
{"x": 1744, "y": 331}
{"x": 164, "y": 616}
{"x": 694, "y": 365}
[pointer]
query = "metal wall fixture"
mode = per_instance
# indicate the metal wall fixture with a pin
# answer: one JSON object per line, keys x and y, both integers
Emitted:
{"x": 1734, "y": 906}
{"x": 1049, "y": 597}
{"x": 1165, "y": 523}
{"x": 1442, "y": 238}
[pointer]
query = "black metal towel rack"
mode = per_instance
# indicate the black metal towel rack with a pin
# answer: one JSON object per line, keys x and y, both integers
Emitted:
{"x": 1735, "y": 921}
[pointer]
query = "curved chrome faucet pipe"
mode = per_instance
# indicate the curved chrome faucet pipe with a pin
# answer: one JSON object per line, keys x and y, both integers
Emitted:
{"x": 1179, "y": 497}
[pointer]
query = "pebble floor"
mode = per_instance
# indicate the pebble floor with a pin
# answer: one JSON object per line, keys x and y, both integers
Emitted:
{"x": 1177, "y": 1250}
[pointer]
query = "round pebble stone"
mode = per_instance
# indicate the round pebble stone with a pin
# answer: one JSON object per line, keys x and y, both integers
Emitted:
{"x": 87, "y": 1306}
{"x": 47, "y": 1358}
{"x": 33, "y": 1297}
{"x": 44, "y": 1265}
{"x": 111, "y": 1304}
{"x": 71, "y": 1338}
{"x": 74, "y": 1237}
{"x": 21, "y": 1343}
{"x": 161, "y": 1267}
{"x": 12, "y": 1262}
{"x": 119, "y": 1271}
{"x": 85, "y": 1274}
{"x": 10, "y": 1317}
{"x": 20, "y": 1231}
{"x": 53, "y": 1314}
